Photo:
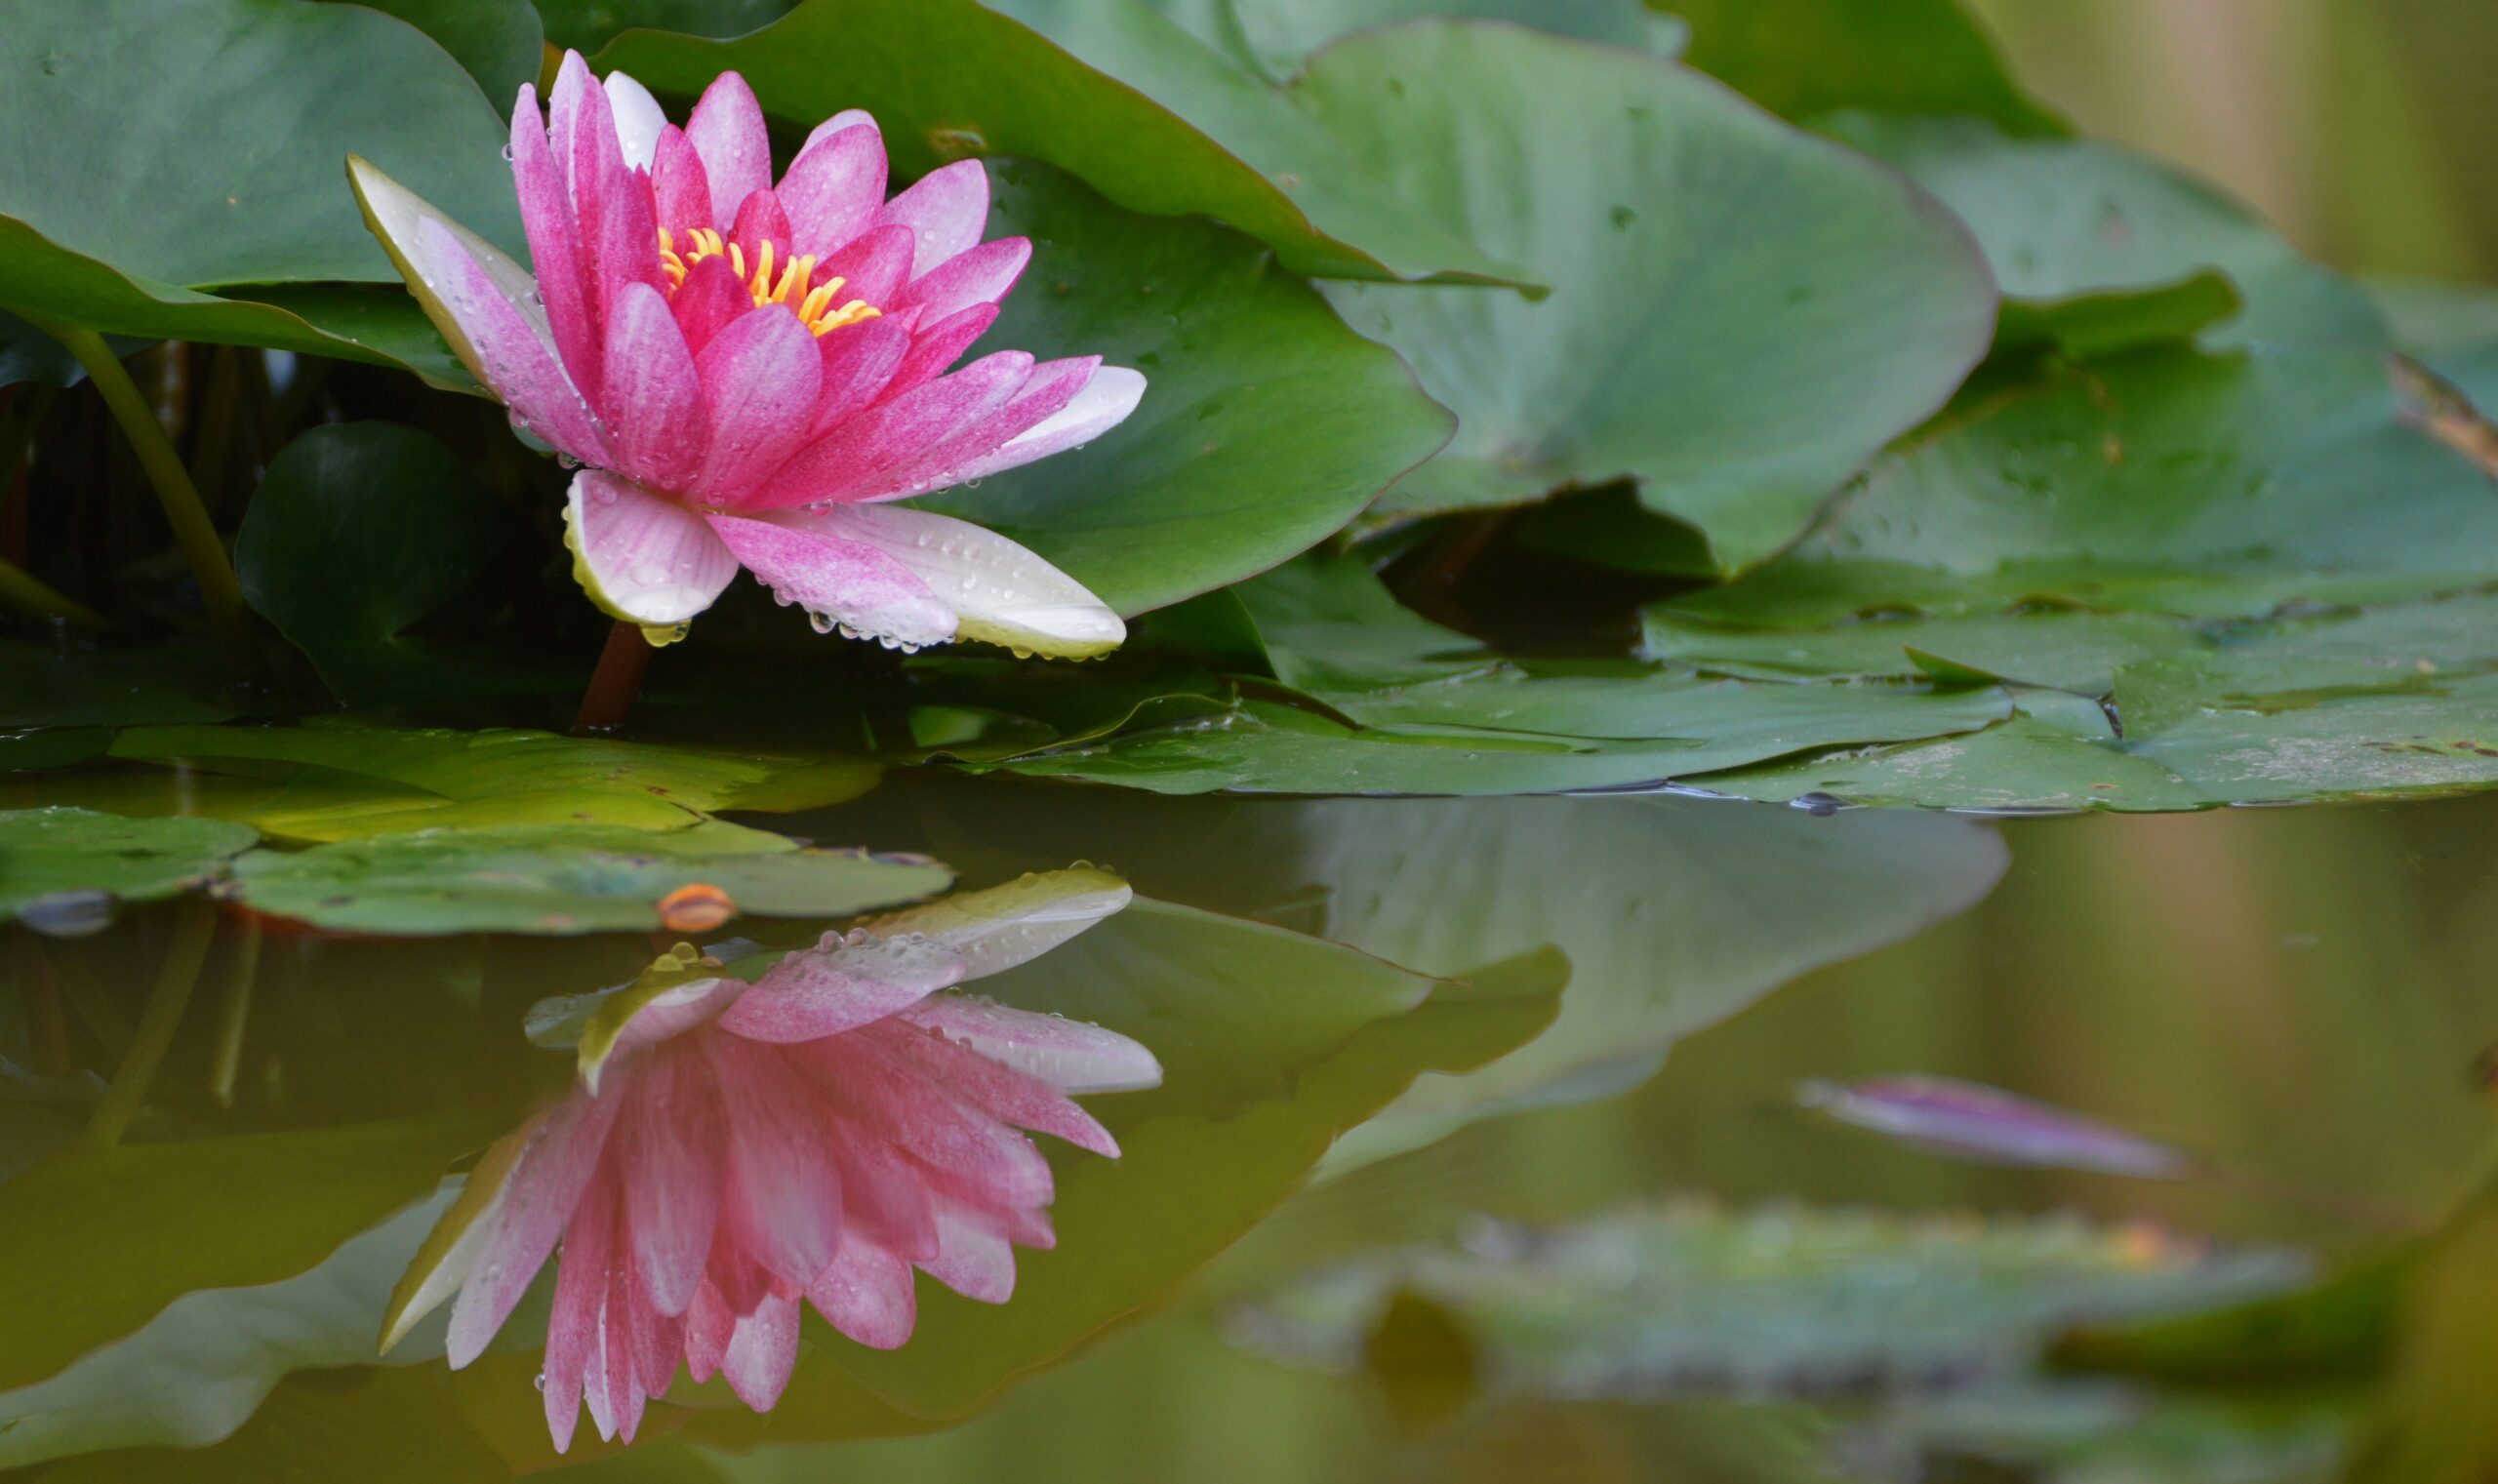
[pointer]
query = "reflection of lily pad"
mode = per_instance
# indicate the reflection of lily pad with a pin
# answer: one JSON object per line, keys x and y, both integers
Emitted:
{"x": 1742, "y": 315}
{"x": 46, "y": 853}
{"x": 569, "y": 879}
{"x": 41, "y": 686}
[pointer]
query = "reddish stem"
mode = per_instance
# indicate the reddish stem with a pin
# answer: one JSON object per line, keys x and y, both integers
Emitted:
{"x": 622, "y": 664}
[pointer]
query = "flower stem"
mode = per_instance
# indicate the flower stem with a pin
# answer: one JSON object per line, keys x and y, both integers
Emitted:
{"x": 194, "y": 925}
{"x": 193, "y": 531}
{"x": 622, "y": 664}
{"x": 22, "y": 592}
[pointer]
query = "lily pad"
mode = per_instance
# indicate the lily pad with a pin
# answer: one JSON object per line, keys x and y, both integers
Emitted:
{"x": 1742, "y": 315}
{"x": 47, "y": 853}
{"x": 501, "y": 42}
{"x": 1277, "y": 37}
{"x": 1679, "y": 1299}
{"x": 1109, "y": 90}
{"x": 344, "y": 781}
{"x": 77, "y": 686}
{"x": 1803, "y": 57}
{"x": 360, "y": 530}
{"x": 1266, "y": 423}
{"x": 564, "y": 879}
{"x": 585, "y": 25}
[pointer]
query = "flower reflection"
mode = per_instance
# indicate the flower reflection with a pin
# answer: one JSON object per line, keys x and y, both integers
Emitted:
{"x": 731, "y": 1149}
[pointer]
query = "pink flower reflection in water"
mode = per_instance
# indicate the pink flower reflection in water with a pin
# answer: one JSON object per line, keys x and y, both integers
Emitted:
{"x": 731, "y": 1150}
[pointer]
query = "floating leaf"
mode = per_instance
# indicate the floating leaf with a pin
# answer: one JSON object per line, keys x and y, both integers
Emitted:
{"x": 500, "y": 42}
{"x": 1278, "y": 36}
{"x": 1741, "y": 314}
{"x": 48, "y": 686}
{"x": 562, "y": 879}
{"x": 1108, "y": 90}
{"x": 1800, "y": 59}
{"x": 1962, "y": 1121}
{"x": 48, "y": 855}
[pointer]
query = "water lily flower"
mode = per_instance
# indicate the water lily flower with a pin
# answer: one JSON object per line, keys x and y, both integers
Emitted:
{"x": 748, "y": 372}
{"x": 730, "y": 1151}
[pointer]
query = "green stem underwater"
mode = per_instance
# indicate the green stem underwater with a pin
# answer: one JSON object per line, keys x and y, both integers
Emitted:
{"x": 195, "y": 926}
{"x": 618, "y": 680}
{"x": 193, "y": 531}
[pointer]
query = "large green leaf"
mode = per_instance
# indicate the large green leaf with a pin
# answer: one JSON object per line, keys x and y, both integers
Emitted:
{"x": 1109, "y": 90}
{"x": 99, "y": 1241}
{"x": 501, "y": 42}
{"x": 1266, "y": 424}
{"x": 1803, "y": 58}
{"x": 2067, "y": 223}
{"x": 585, "y": 25}
{"x": 1278, "y": 36}
{"x": 1740, "y": 316}
{"x": 358, "y": 531}
{"x": 47, "y": 851}
{"x": 555, "y": 878}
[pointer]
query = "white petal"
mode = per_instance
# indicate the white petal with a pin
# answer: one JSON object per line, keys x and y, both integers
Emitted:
{"x": 1103, "y": 404}
{"x": 642, "y": 557}
{"x": 639, "y": 120}
{"x": 846, "y": 118}
{"x": 1003, "y": 594}
{"x": 393, "y": 212}
{"x": 1002, "y": 926}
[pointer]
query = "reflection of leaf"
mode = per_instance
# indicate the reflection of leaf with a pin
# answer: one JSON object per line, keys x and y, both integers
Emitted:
{"x": 1271, "y": 1042}
{"x": 566, "y": 879}
{"x": 1675, "y": 1300}
{"x": 1106, "y": 89}
{"x": 1741, "y": 314}
{"x": 99, "y": 1242}
{"x": 340, "y": 781}
{"x": 44, "y": 852}
{"x": 197, "y": 1370}
{"x": 358, "y": 531}
{"x": 1964, "y": 1120}
{"x": 1266, "y": 423}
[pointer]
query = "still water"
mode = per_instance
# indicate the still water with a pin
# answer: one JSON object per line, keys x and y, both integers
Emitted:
{"x": 1477, "y": 1153}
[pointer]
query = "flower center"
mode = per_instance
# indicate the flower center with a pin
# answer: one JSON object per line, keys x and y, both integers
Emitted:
{"x": 793, "y": 285}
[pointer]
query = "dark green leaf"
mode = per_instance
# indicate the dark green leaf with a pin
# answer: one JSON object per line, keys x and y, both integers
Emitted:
{"x": 1801, "y": 58}
{"x": 499, "y": 41}
{"x": 46, "y": 851}
{"x": 1278, "y": 36}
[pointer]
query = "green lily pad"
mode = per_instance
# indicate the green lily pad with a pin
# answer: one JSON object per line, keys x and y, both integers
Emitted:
{"x": 360, "y": 530}
{"x": 1277, "y": 37}
{"x": 1266, "y": 424}
{"x": 49, "y": 685}
{"x": 1108, "y": 90}
{"x": 2068, "y": 225}
{"x": 1742, "y": 315}
{"x": 585, "y": 25}
{"x": 564, "y": 879}
{"x": 102, "y": 1240}
{"x": 1803, "y": 57}
{"x": 1674, "y": 1300}
{"x": 344, "y": 781}
{"x": 502, "y": 43}
{"x": 47, "y": 851}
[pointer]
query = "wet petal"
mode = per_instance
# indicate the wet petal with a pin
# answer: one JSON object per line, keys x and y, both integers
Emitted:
{"x": 865, "y": 1295}
{"x": 1103, "y": 404}
{"x": 855, "y": 459}
{"x": 573, "y": 1327}
{"x": 997, "y": 1090}
{"x": 897, "y": 1101}
{"x": 727, "y": 130}
{"x": 1051, "y": 385}
{"x": 1000, "y": 592}
{"x": 859, "y": 361}
{"x": 760, "y": 220}
{"x": 983, "y": 274}
{"x": 708, "y": 302}
{"x": 642, "y": 557}
{"x": 946, "y": 210}
{"x": 818, "y": 992}
{"x": 833, "y": 188}
{"x": 709, "y": 1326}
{"x": 660, "y": 426}
{"x": 782, "y": 1204}
{"x": 639, "y": 120}
{"x": 1068, "y": 1055}
{"x": 760, "y": 377}
{"x": 554, "y": 244}
{"x": 840, "y": 583}
{"x": 847, "y": 118}
{"x": 998, "y": 927}
{"x": 762, "y": 1354}
{"x": 546, "y": 1181}
{"x": 873, "y": 265}
{"x": 619, "y": 222}
{"x": 940, "y": 345}
{"x": 973, "y": 1258}
{"x": 680, "y": 192}
{"x": 669, "y": 1147}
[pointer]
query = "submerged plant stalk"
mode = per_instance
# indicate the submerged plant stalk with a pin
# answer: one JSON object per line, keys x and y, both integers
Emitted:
{"x": 618, "y": 680}
{"x": 220, "y": 593}
{"x": 194, "y": 925}
{"x": 24, "y": 592}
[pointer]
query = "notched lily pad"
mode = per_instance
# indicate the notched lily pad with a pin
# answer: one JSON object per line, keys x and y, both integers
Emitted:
{"x": 62, "y": 870}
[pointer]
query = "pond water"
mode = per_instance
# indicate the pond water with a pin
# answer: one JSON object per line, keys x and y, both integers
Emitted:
{"x": 1478, "y": 1152}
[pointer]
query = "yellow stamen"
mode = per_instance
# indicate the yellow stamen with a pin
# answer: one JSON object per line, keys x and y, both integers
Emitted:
{"x": 794, "y": 287}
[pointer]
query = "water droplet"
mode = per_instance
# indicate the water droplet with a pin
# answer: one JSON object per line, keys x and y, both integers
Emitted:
{"x": 1819, "y": 806}
{"x": 541, "y": 1381}
{"x": 506, "y": 154}
{"x": 603, "y": 495}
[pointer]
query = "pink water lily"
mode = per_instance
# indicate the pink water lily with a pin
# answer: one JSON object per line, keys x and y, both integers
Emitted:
{"x": 731, "y": 1151}
{"x": 748, "y": 372}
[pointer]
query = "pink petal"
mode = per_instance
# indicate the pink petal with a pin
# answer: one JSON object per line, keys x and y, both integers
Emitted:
{"x": 1068, "y": 1055}
{"x": 1050, "y": 388}
{"x": 847, "y": 118}
{"x": 940, "y": 345}
{"x": 865, "y": 1295}
{"x": 1112, "y": 392}
{"x": 901, "y": 1104}
{"x": 887, "y": 1200}
{"x": 833, "y": 188}
{"x": 639, "y": 120}
{"x": 873, "y": 265}
{"x": 617, "y": 1356}
{"x": 554, "y": 243}
{"x": 575, "y": 86}
{"x": 983, "y": 274}
{"x": 973, "y": 1259}
{"x": 858, "y": 360}
{"x": 825, "y": 991}
{"x": 997, "y": 1090}
{"x": 539, "y": 1199}
{"x": 656, "y": 1340}
{"x": 654, "y": 395}
{"x": 670, "y": 1146}
{"x": 515, "y": 359}
{"x": 618, "y": 224}
{"x": 679, "y": 189}
{"x": 853, "y": 459}
{"x": 760, "y": 377}
{"x": 782, "y": 1203}
{"x": 640, "y": 556}
{"x": 727, "y": 130}
{"x": 763, "y": 1353}
{"x": 734, "y": 1273}
{"x": 581, "y": 1292}
{"x": 842, "y": 584}
{"x": 708, "y": 1328}
{"x": 1000, "y": 592}
{"x": 946, "y": 210}
{"x": 760, "y": 220}
{"x": 708, "y": 301}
